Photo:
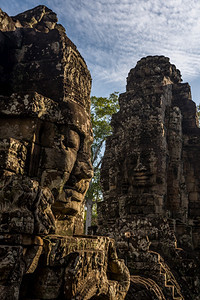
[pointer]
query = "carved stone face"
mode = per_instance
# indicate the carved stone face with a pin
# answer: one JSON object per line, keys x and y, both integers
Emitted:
{"x": 146, "y": 153}
{"x": 53, "y": 153}
{"x": 141, "y": 168}
{"x": 45, "y": 104}
{"x": 69, "y": 183}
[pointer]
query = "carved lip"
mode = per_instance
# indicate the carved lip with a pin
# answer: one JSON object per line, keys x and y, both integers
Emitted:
{"x": 70, "y": 203}
{"x": 141, "y": 177}
{"x": 63, "y": 209}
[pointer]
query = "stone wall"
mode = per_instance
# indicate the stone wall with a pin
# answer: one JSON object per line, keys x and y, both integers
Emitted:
{"x": 45, "y": 168}
{"x": 150, "y": 178}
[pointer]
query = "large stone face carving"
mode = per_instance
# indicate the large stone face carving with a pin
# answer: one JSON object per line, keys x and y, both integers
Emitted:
{"x": 41, "y": 140}
{"x": 45, "y": 167}
{"x": 150, "y": 179}
{"x": 45, "y": 108}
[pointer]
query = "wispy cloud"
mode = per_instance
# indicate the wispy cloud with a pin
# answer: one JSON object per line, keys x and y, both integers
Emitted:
{"x": 113, "y": 34}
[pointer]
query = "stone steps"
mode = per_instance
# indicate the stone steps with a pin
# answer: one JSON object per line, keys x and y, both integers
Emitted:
{"x": 169, "y": 280}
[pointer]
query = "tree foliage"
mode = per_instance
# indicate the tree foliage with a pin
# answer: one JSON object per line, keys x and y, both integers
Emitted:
{"x": 102, "y": 109}
{"x": 198, "y": 112}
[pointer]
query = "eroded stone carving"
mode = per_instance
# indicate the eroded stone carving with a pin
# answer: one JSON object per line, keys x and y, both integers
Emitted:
{"x": 45, "y": 168}
{"x": 150, "y": 179}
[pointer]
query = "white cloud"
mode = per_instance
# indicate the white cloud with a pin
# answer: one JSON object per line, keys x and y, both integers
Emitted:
{"x": 113, "y": 34}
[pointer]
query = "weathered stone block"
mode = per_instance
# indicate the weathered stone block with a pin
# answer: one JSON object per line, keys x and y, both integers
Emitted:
{"x": 45, "y": 168}
{"x": 150, "y": 171}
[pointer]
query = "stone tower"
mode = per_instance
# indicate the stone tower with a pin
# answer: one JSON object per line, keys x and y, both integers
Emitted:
{"x": 45, "y": 168}
{"x": 150, "y": 177}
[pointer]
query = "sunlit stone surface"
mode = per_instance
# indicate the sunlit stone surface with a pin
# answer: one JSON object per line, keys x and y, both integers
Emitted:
{"x": 45, "y": 168}
{"x": 151, "y": 183}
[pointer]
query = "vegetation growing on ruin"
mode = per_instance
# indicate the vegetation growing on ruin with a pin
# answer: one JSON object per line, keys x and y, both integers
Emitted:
{"x": 102, "y": 109}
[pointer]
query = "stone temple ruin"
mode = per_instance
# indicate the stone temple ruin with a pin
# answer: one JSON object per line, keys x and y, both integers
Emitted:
{"x": 45, "y": 168}
{"x": 150, "y": 175}
{"x": 151, "y": 183}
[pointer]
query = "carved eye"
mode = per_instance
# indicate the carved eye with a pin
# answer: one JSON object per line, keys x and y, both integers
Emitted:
{"x": 71, "y": 140}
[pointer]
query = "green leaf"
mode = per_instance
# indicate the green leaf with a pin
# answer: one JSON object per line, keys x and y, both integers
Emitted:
{"x": 102, "y": 109}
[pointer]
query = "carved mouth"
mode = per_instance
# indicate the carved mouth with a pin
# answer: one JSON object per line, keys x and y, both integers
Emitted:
{"x": 69, "y": 205}
{"x": 141, "y": 178}
{"x": 64, "y": 210}
{"x": 69, "y": 202}
{"x": 76, "y": 192}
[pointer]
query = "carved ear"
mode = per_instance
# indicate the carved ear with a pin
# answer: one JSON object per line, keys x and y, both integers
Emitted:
{"x": 35, "y": 152}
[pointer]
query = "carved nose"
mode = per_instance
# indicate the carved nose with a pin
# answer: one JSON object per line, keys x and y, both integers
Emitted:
{"x": 84, "y": 170}
{"x": 140, "y": 168}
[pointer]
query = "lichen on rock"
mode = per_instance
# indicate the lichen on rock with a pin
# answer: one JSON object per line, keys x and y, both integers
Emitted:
{"x": 45, "y": 167}
{"x": 150, "y": 179}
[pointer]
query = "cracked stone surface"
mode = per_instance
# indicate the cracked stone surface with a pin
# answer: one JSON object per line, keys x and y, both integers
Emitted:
{"x": 150, "y": 178}
{"x": 45, "y": 168}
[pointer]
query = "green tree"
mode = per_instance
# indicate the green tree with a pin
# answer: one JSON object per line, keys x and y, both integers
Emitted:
{"x": 102, "y": 109}
{"x": 198, "y": 112}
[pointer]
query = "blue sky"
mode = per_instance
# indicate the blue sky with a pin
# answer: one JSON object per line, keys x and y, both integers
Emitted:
{"x": 112, "y": 35}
